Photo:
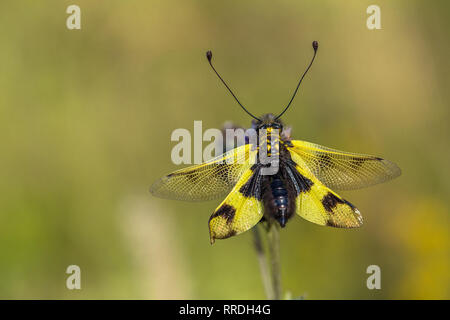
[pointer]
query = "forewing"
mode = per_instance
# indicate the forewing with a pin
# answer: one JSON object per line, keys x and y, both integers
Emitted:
{"x": 208, "y": 180}
{"x": 317, "y": 203}
{"x": 343, "y": 170}
{"x": 241, "y": 209}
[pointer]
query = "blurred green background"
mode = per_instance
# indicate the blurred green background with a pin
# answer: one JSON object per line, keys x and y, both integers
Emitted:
{"x": 85, "y": 123}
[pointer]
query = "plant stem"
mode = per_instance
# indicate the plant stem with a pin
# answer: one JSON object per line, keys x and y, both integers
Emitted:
{"x": 274, "y": 248}
{"x": 262, "y": 259}
{"x": 271, "y": 276}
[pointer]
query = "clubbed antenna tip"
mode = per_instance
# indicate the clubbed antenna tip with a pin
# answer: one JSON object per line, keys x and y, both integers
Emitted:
{"x": 315, "y": 45}
{"x": 209, "y": 55}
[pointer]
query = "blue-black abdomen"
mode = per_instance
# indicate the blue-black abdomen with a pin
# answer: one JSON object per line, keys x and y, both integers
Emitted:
{"x": 280, "y": 199}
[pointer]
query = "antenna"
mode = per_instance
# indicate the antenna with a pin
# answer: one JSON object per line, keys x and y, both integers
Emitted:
{"x": 315, "y": 45}
{"x": 209, "y": 56}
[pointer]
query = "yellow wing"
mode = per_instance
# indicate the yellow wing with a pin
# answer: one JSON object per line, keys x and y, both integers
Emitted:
{"x": 208, "y": 180}
{"x": 317, "y": 203}
{"x": 241, "y": 209}
{"x": 343, "y": 170}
